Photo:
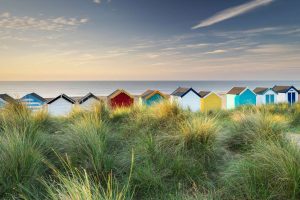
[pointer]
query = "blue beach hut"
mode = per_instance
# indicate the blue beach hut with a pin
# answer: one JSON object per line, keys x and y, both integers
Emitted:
{"x": 33, "y": 101}
{"x": 239, "y": 96}
{"x": 151, "y": 97}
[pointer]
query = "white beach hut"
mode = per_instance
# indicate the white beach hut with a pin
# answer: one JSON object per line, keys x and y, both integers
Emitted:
{"x": 188, "y": 98}
{"x": 61, "y": 105}
{"x": 286, "y": 94}
{"x": 265, "y": 96}
{"x": 88, "y": 101}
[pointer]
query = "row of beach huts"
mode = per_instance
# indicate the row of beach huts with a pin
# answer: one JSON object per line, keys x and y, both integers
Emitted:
{"x": 188, "y": 98}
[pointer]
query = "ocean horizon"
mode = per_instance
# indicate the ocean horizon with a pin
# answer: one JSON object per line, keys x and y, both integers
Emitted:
{"x": 18, "y": 89}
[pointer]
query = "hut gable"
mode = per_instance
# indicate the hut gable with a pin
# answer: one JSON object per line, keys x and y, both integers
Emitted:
{"x": 120, "y": 98}
{"x": 187, "y": 98}
{"x": 286, "y": 94}
{"x": 6, "y": 98}
{"x": 239, "y": 96}
{"x": 150, "y": 97}
{"x": 237, "y": 90}
{"x": 87, "y": 97}
{"x": 210, "y": 101}
{"x": 181, "y": 92}
{"x": 265, "y": 95}
{"x": 203, "y": 94}
{"x": 33, "y": 101}
{"x": 260, "y": 90}
{"x": 61, "y": 105}
{"x": 284, "y": 89}
{"x": 63, "y": 96}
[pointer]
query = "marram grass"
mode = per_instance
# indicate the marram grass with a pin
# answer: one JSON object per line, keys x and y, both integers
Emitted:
{"x": 237, "y": 154}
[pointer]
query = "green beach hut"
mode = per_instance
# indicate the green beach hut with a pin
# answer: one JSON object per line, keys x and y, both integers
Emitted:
{"x": 239, "y": 96}
{"x": 151, "y": 97}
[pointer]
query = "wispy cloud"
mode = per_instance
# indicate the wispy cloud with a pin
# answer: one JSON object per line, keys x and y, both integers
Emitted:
{"x": 218, "y": 51}
{"x": 8, "y": 21}
{"x": 232, "y": 12}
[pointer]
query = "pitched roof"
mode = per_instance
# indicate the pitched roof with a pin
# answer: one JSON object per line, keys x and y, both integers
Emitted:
{"x": 117, "y": 92}
{"x": 86, "y": 97}
{"x": 260, "y": 90}
{"x": 7, "y": 98}
{"x": 35, "y": 95}
{"x": 181, "y": 92}
{"x": 283, "y": 89}
{"x": 69, "y": 99}
{"x": 204, "y": 93}
{"x": 149, "y": 93}
{"x": 236, "y": 90}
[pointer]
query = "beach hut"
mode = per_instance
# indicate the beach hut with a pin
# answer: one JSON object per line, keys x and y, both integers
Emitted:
{"x": 265, "y": 96}
{"x": 151, "y": 97}
{"x": 61, "y": 105}
{"x": 88, "y": 101}
{"x": 210, "y": 101}
{"x": 120, "y": 98}
{"x": 188, "y": 98}
{"x": 33, "y": 101}
{"x": 239, "y": 96}
{"x": 5, "y": 99}
{"x": 286, "y": 94}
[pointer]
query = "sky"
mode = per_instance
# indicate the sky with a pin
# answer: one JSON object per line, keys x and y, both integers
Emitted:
{"x": 149, "y": 40}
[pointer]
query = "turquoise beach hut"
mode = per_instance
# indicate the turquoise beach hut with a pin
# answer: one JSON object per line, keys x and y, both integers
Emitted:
{"x": 239, "y": 96}
{"x": 151, "y": 97}
{"x": 33, "y": 101}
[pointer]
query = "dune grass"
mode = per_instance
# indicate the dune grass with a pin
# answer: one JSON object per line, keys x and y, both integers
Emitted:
{"x": 238, "y": 154}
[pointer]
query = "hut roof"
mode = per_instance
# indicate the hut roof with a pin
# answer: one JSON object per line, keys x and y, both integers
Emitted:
{"x": 64, "y": 96}
{"x": 236, "y": 90}
{"x": 283, "y": 89}
{"x": 7, "y": 98}
{"x": 260, "y": 90}
{"x": 204, "y": 93}
{"x": 86, "y": 97}
{"x": 149, "y": 93}
{"x": 117, "y": 92}
{"x": 36, "y": 96}
{"x": 181, "y": 92}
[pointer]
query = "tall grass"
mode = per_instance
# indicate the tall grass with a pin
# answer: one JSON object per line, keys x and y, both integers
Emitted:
{"x": 271, "y": 170}
{"x": 84, "y": 141}
{"x": 246, "y": 129}
{"x": 24, "y": 151}
{"x": 237, "y": 154}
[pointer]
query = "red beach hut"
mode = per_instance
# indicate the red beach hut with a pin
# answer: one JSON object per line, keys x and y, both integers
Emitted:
{"x": 120, "y": 98}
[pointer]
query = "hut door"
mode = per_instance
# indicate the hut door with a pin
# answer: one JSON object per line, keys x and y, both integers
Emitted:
{"x": 292, "y": 97}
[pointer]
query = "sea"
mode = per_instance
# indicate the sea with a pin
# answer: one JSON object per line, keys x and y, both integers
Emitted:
{"x": 49, "y": 89}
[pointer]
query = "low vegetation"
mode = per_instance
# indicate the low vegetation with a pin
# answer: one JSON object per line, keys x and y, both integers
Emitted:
{"x": 158, "y": 152}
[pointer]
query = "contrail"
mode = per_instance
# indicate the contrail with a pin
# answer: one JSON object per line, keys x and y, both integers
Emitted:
{"x": 232, "y": 12}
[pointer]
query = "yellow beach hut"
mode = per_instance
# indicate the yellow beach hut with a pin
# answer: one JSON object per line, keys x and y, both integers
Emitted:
{"x": 210, "y": 101}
